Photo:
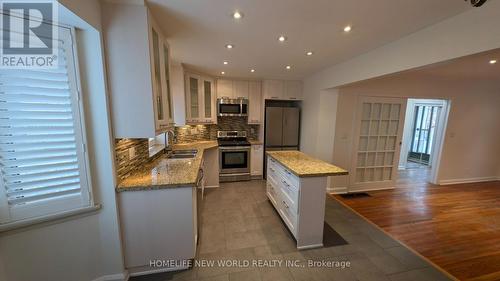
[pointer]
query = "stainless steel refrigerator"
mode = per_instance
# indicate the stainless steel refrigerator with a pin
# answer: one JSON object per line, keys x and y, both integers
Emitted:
{"x": 282, "y": 128}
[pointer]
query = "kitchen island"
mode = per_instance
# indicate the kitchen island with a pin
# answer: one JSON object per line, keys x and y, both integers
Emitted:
{"x": 296, "y": 186}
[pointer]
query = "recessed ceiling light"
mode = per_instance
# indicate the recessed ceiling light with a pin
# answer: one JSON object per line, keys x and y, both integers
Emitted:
{"x": 252, "y": 70}
{"x": 288, "y": 67}
{"x": 310, "y": 53}
{"x": 348, "y": 28}
{"x": 225, "y": 62}
{"x": 229, "y": 46}
{"x": 282, "y": 38}
{"x": 493, "y": 61}
{"x": 222, "y": 72}
{"x": 237, "y": 15}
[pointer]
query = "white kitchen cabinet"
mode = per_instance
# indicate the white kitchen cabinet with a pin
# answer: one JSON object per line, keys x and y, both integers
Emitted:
{"x": 293, "y": 90}
{"x": 273, "y": 89}
{"x": 158, "y": 224}
{"x": 240, "y": 89}
{"x": 255, "y": 103}
{"x": 282, "y": 90}
{"x": 138, "y": 71}
{"x": 299, "y": 202}
{"x": 225, "y": 88}
{"x": 178, "y": 93}
{"x": 257, "y": 158}
{"x": 200, "y": 99}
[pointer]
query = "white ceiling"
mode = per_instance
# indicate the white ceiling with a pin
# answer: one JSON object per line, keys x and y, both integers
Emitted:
{"x": 198, "y": 30}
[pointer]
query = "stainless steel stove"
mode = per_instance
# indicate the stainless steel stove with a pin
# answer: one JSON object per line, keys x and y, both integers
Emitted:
{"x": 234, "y": 156}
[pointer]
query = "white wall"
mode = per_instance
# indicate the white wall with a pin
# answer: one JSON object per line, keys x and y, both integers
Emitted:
{"x": 473, "y": 131}
{"x": 468, "y": 33}
{"x": 84, "y": 247}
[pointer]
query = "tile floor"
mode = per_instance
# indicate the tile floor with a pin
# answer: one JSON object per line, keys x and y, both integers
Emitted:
{"x": 239, "y": 224}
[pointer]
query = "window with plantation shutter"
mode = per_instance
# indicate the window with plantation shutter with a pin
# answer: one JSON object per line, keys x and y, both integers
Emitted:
{"x": 42, "y": 149}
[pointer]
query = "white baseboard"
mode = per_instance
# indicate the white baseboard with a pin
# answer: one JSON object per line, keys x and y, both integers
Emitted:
{"x": 337, "y": 190}
{"x": 364, "y": 189}
{"x": 114, "y": 277}
{"x": 468, "y": 180}
{"x": 401, "y": 168}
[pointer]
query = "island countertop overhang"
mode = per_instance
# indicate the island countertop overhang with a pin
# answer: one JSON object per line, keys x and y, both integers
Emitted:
{"x": 303, "y": 165}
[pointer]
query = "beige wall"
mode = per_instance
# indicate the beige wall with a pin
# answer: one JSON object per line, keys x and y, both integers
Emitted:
{"x": 472, "y": 139}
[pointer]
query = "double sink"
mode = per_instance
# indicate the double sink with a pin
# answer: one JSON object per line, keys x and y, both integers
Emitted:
{"x": 183, "y": 154}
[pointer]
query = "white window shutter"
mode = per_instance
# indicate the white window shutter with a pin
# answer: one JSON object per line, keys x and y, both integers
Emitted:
{"x": 42, "y": 160}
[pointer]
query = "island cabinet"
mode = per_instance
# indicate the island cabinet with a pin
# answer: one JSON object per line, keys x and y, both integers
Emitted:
{"x": 296, "y": 187}
{"x": 138, "y": 71}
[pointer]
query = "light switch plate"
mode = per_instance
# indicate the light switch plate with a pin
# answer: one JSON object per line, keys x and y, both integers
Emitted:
{"x": 131, "y": 153}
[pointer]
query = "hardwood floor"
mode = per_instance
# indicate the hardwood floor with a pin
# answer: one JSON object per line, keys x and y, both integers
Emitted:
{"x": 457, "y": 227}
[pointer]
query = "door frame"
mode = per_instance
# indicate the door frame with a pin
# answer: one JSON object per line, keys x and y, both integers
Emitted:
{"x": 353, "y": 186}
{"x": 439, "y": 141}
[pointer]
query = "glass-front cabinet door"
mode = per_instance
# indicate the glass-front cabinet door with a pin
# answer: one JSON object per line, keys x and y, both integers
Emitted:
{"x": 208, "y": 100}
{"x": 166, "y": 86}
{"x": 161, "y": 80}
{"x": 200, "y": 99}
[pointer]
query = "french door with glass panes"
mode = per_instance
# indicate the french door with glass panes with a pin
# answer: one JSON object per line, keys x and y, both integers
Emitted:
{"x": 378, "y": 133}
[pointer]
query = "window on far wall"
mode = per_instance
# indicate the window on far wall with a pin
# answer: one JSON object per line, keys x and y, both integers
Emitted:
{"x": 43, "y": 161}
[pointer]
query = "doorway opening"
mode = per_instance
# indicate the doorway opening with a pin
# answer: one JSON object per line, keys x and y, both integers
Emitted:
{"x": 423, "y": 133}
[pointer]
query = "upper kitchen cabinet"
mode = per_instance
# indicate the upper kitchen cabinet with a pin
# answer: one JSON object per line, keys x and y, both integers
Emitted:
{"x": 255, "y": 102}
{"x": 282, "y": 90}
{"x": 293, "y": 90}
{"x": 232, "y": 89}
{"x": 224, "y": 88}
{"x": 200, "y": 99}
{"x": 138, "y": 71}
{"x": 240, "y": 89}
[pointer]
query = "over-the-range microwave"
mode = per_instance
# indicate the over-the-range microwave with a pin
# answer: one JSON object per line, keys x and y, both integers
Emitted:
{"x": 232, "y": 107}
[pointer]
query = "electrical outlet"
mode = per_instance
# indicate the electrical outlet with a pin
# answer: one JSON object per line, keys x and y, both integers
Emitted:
{"x": 131, "y": 153}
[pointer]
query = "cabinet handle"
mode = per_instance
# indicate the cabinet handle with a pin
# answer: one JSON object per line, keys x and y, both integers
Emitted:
{"x": 272, "y": 170}
{"x": 284, "y": 203}
{"x": 274, "y": 97}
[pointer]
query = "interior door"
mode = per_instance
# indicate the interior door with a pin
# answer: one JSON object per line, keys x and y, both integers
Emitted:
{"x": 274, "y": 126}
{"x": 378, "y": 133}
{"x": 291, "y": 120}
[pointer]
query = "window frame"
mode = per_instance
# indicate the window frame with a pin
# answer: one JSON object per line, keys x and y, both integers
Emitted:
{"x": 87, "y": 203}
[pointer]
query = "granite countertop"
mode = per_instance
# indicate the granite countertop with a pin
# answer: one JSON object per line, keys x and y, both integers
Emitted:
{"x": 165, "y": 173}
{"x": 303, "y": 165}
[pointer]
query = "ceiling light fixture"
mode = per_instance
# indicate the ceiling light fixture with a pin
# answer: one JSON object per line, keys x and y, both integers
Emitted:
{"x": 347, "y": 29}
{"x": 222, "y": 72}
{"x": 237, "y": 15}
{"x": 282, "y": 38}
{"x": 252, "y": 70}
{"x": 225, "y": 62}
{"x": 493, "y": 61}
{"x": 288, "y": 67}
{"x": 310, "y": 53}
{"x": 229, "y": 46}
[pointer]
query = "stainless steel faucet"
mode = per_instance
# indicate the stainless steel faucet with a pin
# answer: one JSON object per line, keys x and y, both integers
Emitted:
{"x": 170, "y": 140}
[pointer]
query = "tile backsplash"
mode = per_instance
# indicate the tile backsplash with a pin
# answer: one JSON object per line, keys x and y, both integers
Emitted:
{"x": 192, "y": 133}
{"x": 125, "y": 166}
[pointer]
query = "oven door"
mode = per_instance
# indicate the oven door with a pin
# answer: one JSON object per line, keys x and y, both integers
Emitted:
{"x": 234, "y": 160}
